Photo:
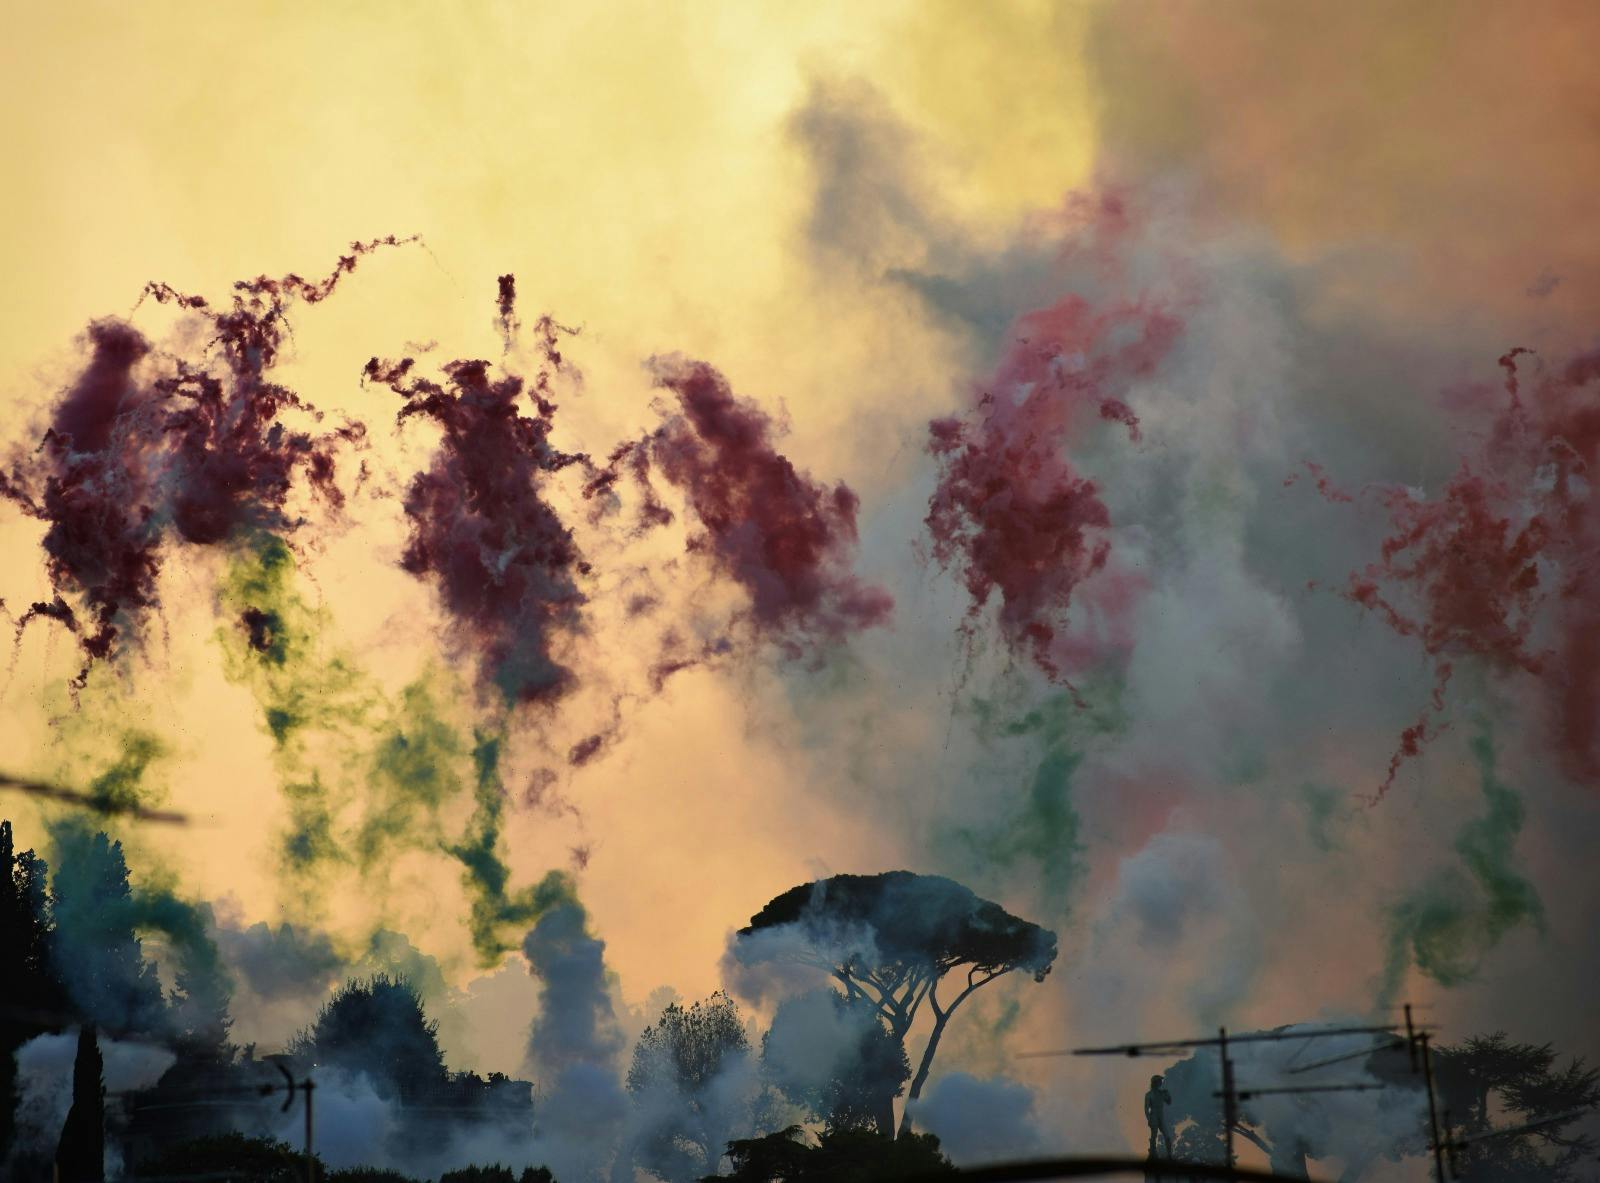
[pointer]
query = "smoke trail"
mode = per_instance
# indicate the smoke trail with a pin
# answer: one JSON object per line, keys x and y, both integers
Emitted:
{"x": 495, "y": 907}
{"x": 122, "y": 787}
{"x": 357, "y": 811}
{"x": 1035, "y": 832}
{"x": 312, "y": 698}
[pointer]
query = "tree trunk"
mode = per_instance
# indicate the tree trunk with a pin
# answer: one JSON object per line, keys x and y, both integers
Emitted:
{"x": 883, "y": 1119}
{"x": 921, "y": 1078}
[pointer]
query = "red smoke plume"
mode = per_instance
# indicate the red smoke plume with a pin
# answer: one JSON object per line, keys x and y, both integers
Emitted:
{"x": 1504, "y": 564}
{"x": 782, "y": 536}
{"x": 139, "y": 445}
{"x": 505, "y": 564}
{"x": 1010, "y": 509}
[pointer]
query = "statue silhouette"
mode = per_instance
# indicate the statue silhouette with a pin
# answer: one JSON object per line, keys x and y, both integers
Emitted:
{"x": 1155, "y": 1115}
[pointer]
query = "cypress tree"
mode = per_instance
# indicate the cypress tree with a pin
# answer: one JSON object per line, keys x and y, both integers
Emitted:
{"x": 81, "y": 1153}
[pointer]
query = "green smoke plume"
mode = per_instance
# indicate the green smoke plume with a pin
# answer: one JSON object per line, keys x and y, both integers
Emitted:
{"x": 366, "y": 777}
{"x": 316, "y": 704}
{"x": 496, "y": 909}
{"x": 123, "y": 785}
{"x": 1328, "y": 814}
{"x": 1039, "y": 826}
{"x": 1451, "y": 923}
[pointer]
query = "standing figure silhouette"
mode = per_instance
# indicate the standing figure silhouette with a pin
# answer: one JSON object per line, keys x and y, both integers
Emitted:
{"x": 1155, "y": 1115}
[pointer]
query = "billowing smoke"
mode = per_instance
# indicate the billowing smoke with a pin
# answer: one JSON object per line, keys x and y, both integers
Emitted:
{"x": 1498, "y": 564}
{"x": 272, "y": 961}
{"x": 979, "y": 1120}
{"x": 1450, "y": 923}
{"x": 574, "y": 1044}
{"x": 1358, "y": 1116}
{"x": 101, "y": 961}
{"x": 1175, "y": 903}
{"x": 1124, "y": 495}
{"x": 1234, "y": 506}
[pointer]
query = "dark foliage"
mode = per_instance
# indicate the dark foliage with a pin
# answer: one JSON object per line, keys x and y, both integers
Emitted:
{"x": 497, "y": 1174}
{"x": 30, "y": 991}
{"x": 1489, "y": 1083}
{"x": 844, "y": 1156}
{"x": 687, "y": 1048}
{"x": 81, "y": 1153}
{"x": 258, "y": 1160}
{"x": 378, "y": 1028}
{"x": 367, "y": 1175}
{"x": 913, "y": 920}
{"x": 1485, "y": 1084}
{"x": 110, "y": 980}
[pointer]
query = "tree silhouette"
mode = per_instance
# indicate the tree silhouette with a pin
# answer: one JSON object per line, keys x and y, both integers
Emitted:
{"x": 833, "y": 1056}
{"x": 378, "y": 1028}
{"x": 685, "y": 1080}
{"x": 491, "y": 1174}
{"x": 30, "y": 992}
{"x": 891, "y": 939}
{"x": 81, "y": 1153}
{"x": 95, "y": 946}
{"x": 1490, "y": 1083}
{"x": 200, "y": 1015}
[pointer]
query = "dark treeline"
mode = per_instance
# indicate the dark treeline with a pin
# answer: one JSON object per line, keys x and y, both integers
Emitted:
{"x": 705, "y": 1093}
{"x": 70, "y": 940}
{"x": 849, "y": 963}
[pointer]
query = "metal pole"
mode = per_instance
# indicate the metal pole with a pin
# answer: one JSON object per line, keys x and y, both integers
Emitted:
{"x": 306, "y": 1086}
{"x": 1433, "y": 1114}
{"x": 1228, "y": 1114}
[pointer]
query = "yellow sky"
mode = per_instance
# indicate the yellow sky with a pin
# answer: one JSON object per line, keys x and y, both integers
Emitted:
{"x": 632, "y": 164}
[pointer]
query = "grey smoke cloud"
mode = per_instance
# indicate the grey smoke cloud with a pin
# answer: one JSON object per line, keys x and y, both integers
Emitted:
{"x": 574, "y": 1045}
{"x": 979, "y": 1119}
{"x": 280, "y": 961}
{"x": 1222, "y": 864}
